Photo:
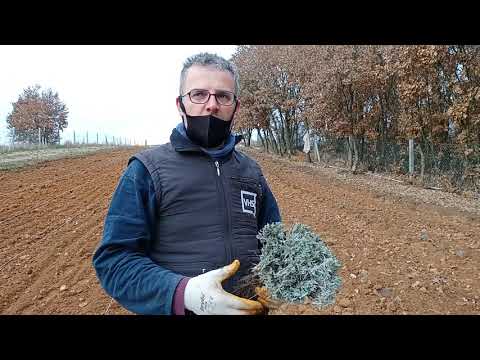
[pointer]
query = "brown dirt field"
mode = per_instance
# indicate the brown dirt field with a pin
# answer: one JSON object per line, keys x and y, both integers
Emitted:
{"x": 400, "y": 254}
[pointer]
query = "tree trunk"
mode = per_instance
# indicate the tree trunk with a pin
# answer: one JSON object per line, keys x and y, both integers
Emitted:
{"x": 282, "y": 142}
{"x": 350, "y": 150}
{"x": 279, "y": 145}
{"x": 286, "y": 134}
{"x": 288, "y": 139}
{"x": 361, "y": 149}
{"x": 355, "y": 155}
{"x": 268, "y": 144}
{"x": 247, "y": 137}
{"x": 383, "y": 133}
{"x": 273, "y": 142}
{"x": 261, "y": 139}
{"x": 295, "y": 137}
{"x": 308, "y": 158}
{"x": 352, "y": 153}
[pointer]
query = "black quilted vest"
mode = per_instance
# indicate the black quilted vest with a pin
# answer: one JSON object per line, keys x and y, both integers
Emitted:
{"x": 207, "y": 210}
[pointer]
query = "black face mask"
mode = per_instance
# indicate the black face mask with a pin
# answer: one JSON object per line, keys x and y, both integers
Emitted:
{"x": 207, "y": 131}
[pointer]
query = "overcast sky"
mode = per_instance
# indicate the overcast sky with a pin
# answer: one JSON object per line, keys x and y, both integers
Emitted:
{"x": 122, "y": 91}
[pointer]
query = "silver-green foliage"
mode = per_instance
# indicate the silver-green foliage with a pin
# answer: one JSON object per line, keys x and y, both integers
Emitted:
{"x": 297, "y": 264}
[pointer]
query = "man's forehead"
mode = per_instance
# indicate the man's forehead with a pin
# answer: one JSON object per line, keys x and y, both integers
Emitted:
{"x": 201, "y": 72}
{"x": 201, "y": 67}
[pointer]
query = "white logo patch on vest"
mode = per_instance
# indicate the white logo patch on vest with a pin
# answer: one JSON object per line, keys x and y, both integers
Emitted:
{"x": 249, "y": 202}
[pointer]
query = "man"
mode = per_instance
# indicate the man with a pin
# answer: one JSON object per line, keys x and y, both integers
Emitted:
{"x": 184, "y": 210}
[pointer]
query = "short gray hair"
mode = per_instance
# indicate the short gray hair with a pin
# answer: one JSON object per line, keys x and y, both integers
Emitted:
{"x": 213, "y": 60}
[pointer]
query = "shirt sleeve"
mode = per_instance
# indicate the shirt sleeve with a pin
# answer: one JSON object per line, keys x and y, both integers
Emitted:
{"x": 123, "y": 268}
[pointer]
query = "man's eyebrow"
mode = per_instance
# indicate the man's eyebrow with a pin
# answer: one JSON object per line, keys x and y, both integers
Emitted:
{"x": 223, "y": 90}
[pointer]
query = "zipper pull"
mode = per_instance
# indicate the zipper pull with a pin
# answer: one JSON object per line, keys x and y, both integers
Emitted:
{"x": 218, "y": 168}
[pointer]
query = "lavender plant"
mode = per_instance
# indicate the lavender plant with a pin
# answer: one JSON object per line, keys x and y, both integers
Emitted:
{"x": 297, "y": 264}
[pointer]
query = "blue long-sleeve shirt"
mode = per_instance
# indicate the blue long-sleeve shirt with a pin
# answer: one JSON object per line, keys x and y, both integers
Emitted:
{"x": 121, "y": 260}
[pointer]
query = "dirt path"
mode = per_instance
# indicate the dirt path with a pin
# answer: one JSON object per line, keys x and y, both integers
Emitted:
{"x": 398, "y": 255}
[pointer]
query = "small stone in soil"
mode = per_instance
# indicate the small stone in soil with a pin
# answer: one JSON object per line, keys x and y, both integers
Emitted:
{"x": 385, "y": 292}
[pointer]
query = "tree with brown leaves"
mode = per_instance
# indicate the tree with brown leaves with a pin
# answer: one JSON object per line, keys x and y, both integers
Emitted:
{"x": 37, "y": 112}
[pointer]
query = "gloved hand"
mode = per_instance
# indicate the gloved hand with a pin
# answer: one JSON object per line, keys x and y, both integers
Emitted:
{"x": 266, "y": 300}
{"x": 204, "y": 295}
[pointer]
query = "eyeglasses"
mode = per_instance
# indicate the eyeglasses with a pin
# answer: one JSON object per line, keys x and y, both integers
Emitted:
{"x": 201, "y": 96}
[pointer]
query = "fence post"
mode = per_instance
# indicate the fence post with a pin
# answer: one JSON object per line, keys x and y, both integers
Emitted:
{"x": 39, "y": 136}
{"x": 411, "y": 157}
{"x": 315, "y": 144}
{"x": 87, "y": 137}
{"x": 13, "y": 140}
{"x": 97, "y": 139}
{"x": 74, "y": 142}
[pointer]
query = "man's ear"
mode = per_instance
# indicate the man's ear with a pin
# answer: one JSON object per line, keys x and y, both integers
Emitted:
{"x": 237, "y": 108}
{"x": 180, "y": 111}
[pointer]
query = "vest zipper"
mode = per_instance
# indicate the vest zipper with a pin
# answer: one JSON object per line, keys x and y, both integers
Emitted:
{"x": 228, "y": 240}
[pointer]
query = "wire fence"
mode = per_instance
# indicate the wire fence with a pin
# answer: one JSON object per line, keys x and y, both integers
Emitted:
{"x": 447, "y": 166}
{"x": 74, "y": 139}
{"x": 100, "y": 138}
{"x": 21, "y": 153}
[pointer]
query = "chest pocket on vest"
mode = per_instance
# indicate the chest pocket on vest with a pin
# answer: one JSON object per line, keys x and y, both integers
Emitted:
{"x": 191, "y": 269}
{"x": 246, "y": 200}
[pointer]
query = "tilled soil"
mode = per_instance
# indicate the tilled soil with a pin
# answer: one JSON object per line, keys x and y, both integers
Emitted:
{"x": 400, "y": 253}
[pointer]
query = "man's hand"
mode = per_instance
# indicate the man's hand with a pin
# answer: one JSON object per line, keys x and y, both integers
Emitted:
{"x": 265, "y": 299}
{"x": 204, "y": 295}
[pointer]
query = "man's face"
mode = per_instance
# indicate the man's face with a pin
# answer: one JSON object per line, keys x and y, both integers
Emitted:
{"x": 213, "y": 80}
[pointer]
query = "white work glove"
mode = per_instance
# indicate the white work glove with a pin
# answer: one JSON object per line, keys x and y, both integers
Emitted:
{"x": 204, "y": 295}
